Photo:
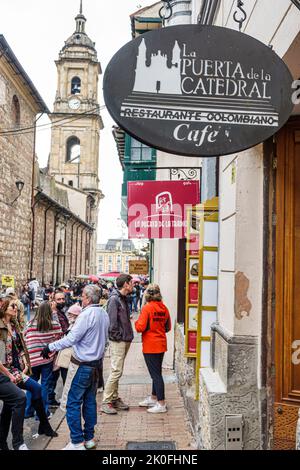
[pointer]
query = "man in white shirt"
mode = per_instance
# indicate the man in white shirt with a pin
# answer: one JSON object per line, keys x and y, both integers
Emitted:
{"x": 88, "y": 338}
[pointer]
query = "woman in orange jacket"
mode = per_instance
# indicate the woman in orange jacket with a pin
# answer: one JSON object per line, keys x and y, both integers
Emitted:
{"x": 154, "y": 322}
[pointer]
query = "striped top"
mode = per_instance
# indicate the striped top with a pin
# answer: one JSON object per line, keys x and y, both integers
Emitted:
{"x": 36, "y": 341}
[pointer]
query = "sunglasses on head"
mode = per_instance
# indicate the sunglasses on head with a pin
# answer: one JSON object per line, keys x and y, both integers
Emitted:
{"x": 14, "y": 306}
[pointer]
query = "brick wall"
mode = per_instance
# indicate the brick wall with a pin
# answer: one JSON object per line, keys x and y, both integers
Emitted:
{"x": 16, "y": 156}
{"x": 44, "y": 264}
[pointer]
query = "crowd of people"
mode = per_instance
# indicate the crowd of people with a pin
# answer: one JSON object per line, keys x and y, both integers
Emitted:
{"x": 67, "y": 335}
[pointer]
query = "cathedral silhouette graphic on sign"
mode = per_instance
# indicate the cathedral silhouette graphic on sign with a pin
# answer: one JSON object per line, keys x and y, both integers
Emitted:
{"x": 158, "y": 77}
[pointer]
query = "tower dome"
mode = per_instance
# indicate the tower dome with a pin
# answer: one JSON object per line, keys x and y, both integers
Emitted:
{"x": 79, "y": 37}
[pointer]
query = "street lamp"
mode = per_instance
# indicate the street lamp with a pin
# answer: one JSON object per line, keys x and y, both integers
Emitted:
{"x": 19, "y": 186}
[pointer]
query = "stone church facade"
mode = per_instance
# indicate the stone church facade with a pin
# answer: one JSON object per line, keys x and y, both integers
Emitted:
{"x": 49, "y": 232}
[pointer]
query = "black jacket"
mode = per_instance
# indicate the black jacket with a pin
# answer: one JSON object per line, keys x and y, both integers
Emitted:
{"x": 120, "y": 328}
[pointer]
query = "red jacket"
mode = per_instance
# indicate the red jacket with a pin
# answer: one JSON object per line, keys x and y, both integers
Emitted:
{"x": 154, "y": 322}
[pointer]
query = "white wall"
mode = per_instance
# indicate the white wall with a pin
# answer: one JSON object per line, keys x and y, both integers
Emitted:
{"x": 241, "y": 241}
{"x": 77, "y": 201}
{"x": 274, "y": 22}
{"x": 166, "y": 251}
{"x": 166, "y": 275}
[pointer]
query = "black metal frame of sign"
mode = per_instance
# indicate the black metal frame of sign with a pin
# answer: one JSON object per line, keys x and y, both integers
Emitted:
{"x": 198, "y": 90}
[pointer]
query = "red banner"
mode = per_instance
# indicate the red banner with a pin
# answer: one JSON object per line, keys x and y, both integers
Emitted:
{"x": 158, "y": 209}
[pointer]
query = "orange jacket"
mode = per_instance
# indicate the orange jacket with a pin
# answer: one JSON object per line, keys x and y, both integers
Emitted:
{"x": 154, "y": 322}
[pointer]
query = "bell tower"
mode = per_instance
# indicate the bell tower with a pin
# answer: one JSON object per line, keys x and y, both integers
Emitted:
{"x": 76, "y": 125}
{"x": 76, "y": 120}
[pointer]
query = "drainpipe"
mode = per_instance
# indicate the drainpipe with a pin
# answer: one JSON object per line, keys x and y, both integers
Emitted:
{"x": 45, "y": 240}
{"x": 32, "y": 198}
{"x": 89, "y": 251}
{"x": 81, "y": 249}
{"x": 76, "y": 250}
{"x": 54, "y": 243}
{"x": 65, "y": 252}
{"x": 71, "y": 254}
{"x": 208, "y": 11}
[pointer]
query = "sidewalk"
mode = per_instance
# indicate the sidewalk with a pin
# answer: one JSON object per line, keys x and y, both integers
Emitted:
{"x": 115, "y": 431}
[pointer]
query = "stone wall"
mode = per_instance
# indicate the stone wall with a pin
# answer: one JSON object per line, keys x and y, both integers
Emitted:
{"x": 16, "y": 159}
{"x": 44, "y": 254}
{"x": 43, "y": 259}
{"x": 230, "y": 387}
{"x": 185, "y": 371}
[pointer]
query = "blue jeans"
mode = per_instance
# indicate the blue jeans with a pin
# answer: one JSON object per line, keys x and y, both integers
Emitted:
{"x": 45, "y": 372}
{"x": 33, "y": 387}
{"x": 27, "y": 310}
{"x": 53, "y": 382}
{"x": 82, "y": 393}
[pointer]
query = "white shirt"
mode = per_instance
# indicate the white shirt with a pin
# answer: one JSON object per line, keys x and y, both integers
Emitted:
{"x": 88, "y": 336}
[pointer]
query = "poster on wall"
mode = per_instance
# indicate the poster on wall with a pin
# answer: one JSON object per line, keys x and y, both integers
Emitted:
{"x": 8, "y": 281}
{"x": 198, "y": 90}
{"x": 193, "y": 318}
{"x": 193, "y": 293}
{"x": 158, "y": 209}
{"x": 192, "y": 342}
{"x": 193, "y": 269}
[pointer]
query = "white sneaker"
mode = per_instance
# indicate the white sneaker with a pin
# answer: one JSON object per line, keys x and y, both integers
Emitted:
{"x": 90, "y": 444}
{"x": 72, "y": 446}
{"x": 148, "y": 402}
{"x": 157, "y": 408}
{"x": 23, "y": 447}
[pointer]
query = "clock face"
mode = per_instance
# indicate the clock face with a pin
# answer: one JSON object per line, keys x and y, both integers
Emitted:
{"x": 74, "y": 103}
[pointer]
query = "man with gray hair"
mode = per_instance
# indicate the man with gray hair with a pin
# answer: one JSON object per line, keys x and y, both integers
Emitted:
{"x": 88, "y": 338}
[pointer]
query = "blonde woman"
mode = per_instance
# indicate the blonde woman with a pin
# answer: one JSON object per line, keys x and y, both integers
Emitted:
{"x": 154, "y": 322}
{"x": 17, "y": 363}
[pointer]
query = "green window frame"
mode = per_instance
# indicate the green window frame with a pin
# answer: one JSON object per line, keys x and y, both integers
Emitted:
{"x": 136, "y": 152}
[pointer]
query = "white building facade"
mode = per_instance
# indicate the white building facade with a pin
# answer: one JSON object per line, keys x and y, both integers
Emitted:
{"x": 253, "y": 381}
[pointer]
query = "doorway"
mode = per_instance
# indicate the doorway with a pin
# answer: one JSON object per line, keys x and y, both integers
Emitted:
{"x": 287, "y": 287}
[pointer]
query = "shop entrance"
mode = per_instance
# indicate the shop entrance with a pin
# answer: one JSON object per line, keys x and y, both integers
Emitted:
{"x": 287, "y": 287}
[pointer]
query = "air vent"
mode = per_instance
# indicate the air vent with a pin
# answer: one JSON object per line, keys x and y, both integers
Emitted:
{"x": 234, "y": 432}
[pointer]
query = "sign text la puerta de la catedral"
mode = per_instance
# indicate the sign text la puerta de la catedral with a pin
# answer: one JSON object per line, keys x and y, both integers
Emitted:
{"x": 198, "y": 90}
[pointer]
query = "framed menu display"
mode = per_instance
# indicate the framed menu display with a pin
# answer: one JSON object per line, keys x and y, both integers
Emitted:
{"x": 192, "y": 284}
{"x": 201, "y": 282}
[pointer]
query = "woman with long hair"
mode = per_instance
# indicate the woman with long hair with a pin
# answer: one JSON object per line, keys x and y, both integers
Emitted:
{"x": 154, "y": 322}
{"x": 39, "y": 332}
{"x": 17, "y": 362}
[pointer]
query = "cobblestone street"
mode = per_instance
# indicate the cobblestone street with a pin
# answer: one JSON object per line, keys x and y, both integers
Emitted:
{"x": 115, "y": 431}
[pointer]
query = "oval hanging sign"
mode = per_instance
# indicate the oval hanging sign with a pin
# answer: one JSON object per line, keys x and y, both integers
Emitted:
{"x": 198, "y": 90}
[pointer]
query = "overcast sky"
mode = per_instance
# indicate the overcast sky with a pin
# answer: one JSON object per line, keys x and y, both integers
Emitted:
{"x": 36, "y": 31}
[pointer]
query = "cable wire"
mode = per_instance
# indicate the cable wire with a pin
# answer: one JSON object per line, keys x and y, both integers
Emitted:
{"x": 46, "y": 126}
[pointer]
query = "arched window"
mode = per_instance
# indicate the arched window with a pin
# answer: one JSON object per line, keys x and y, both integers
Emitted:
{"x": 75, "y": 86}
{"x": 73, "y": 150}
{"x": 15, "y": 111}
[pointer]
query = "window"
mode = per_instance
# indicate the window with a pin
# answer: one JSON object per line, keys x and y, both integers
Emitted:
{"x": 100, "y": 259}
{"x": 110, "y": 267}
{"x": 73, "y": 150}
{"x": 140, "y": 152}
{"x": 110, "y": 259}
{"x": 15, "y": 111}
{"x": 118, "y": 263}
{"x": 75, "y": 86}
